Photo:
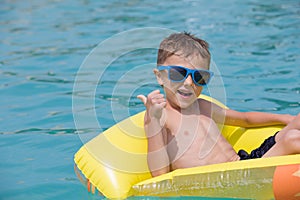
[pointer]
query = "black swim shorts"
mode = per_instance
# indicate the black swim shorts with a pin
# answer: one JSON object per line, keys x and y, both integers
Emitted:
{"x": 260, "y": 151}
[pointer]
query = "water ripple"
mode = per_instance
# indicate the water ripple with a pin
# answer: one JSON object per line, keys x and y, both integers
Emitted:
{"x": 51, "y": 131}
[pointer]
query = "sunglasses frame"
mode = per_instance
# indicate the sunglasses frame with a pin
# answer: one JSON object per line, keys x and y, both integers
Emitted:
{"x": 188, "y": 72}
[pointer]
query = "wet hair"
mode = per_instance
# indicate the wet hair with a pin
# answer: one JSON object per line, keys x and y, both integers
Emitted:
{"x": 182, "y": 44}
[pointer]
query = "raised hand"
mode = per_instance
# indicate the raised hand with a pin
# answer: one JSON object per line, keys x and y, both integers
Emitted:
{"x": 154, "y": 103}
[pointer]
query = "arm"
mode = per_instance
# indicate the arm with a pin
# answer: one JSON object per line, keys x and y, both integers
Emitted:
{"x": 245, "y": 119}
{"x": 255, "y": 119}
{"x": 157, "y": 157}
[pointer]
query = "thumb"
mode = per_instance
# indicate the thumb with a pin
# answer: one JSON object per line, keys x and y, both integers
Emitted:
{"x": 142, "y": 98}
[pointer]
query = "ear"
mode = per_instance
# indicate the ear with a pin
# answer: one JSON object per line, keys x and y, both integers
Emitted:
{"x": 158, "y": 77}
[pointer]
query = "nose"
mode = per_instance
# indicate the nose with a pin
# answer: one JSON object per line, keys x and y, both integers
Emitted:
{"x": 189, "y": 80}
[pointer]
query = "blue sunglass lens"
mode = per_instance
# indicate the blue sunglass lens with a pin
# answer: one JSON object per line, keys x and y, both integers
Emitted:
{"x": 177, "y": 73}
{"x": 200, "y": 77}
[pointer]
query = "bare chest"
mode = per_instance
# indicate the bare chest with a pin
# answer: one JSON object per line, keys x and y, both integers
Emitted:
{"x": 186, "y": 135}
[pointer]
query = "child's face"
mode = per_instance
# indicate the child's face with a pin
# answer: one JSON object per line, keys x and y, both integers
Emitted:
{"x": 181, "y": 94}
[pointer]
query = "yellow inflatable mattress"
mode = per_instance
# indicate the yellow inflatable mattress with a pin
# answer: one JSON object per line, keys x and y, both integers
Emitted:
{"x": 114, "y": 164}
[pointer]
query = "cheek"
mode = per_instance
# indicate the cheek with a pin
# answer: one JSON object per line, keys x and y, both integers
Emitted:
{"x": 198, "y": 90}
{"x": 170, "y": 90}
{"x": 170, "y": 86}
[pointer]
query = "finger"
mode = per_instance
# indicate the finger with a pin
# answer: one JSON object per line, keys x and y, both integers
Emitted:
{"x": 156, "y": 99}
{"x": 153, "y": 93}
{"x": 161, "y": 103}
{"x": 142, "y": 98}
{"x": 157, "y": 96}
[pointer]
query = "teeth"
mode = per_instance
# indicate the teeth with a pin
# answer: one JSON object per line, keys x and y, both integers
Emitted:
{"x": 184, "y": 93}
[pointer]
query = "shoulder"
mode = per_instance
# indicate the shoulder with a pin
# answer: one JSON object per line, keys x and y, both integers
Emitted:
{"x": 203, "y": 103}
{"x": 205, "y": 107}
{"x": 212, "y": 110}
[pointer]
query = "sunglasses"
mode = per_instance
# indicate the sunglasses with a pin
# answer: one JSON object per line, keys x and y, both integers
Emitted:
{"x": 200, "y": 77}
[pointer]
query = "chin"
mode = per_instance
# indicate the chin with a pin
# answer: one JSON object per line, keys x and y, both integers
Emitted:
{"x": 185, "y": 105}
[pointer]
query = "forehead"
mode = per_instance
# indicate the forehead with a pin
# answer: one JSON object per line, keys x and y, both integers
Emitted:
{"x": 192, "y": 62}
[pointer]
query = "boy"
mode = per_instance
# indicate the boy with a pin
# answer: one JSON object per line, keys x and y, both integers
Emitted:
{"x": 181, "y": 129}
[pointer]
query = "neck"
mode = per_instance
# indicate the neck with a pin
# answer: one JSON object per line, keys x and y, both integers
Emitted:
{"x": 192, "y": 109}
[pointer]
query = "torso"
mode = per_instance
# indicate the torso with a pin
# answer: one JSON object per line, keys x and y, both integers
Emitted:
{"x": 195, "y": 140}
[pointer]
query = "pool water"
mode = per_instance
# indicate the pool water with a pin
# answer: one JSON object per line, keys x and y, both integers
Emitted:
{"x": 255, "y": 46}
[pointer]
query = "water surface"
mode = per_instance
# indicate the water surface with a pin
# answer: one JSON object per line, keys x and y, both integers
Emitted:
{"x": 255, "y": 45}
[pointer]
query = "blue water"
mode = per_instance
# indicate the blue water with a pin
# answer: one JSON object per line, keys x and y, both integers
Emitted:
{"x": 255, "y": 45}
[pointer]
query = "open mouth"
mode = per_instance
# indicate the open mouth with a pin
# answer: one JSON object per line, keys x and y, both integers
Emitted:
{"x": 185, "y": 94}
